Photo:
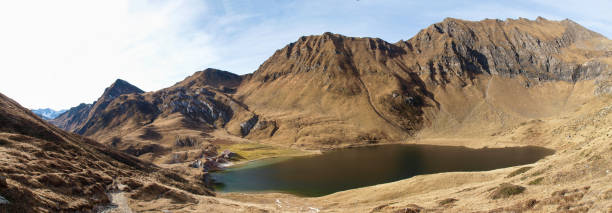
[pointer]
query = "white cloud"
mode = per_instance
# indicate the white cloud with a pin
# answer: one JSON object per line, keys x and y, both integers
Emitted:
{"x": 59, "y": 53}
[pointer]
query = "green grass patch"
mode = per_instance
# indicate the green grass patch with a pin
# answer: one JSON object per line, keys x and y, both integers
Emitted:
{"x": 539, "y": 172}
{"x": 537, "y": 181}
{"x": 519, "y": 171}
{"x": 252, "y": 151}
{"x": 506, "y": 190}
{"x": 447, "y": 201}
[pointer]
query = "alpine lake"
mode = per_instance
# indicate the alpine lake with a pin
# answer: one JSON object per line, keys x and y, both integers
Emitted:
{"x": 343, "y": 169}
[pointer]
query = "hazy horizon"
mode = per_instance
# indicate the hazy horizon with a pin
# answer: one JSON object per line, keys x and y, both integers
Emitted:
{"x": 58, "y": 54}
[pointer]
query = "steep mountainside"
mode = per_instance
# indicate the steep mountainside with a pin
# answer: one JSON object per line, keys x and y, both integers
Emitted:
{"x": 73, "y": 118}
{"x": 44, "y": 169}
{"x": 331, "y": 89}
{"x": 323, "y": 90}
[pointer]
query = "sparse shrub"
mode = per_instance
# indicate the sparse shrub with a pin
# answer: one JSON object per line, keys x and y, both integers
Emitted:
{"x": 144, "y": 149}
{"x": 541, "y": 171}
{"x": 519, "y": 171}
{"x": 115, "y": 141}
{"x": 368, "y": 138}
{"x": 150, "y": 192}
{"x": 133, "y": 184}
{"x": 537, "y": 181}
{"x": 52, "y": 180}
{"x": 179, "y": 197}
{"x": 150, "y": 134}
{"x": 506, "y": 190}
{"x": 173, "y": 176}
{"x": 447, "y": 201}
{"x": 607, "y": 195}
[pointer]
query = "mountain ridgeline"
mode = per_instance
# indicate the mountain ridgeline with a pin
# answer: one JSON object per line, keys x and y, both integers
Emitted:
{"x": 460, "y": 77}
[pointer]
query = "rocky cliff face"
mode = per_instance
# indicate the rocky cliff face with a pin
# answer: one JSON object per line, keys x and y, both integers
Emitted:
{"x": 538, "y": 50}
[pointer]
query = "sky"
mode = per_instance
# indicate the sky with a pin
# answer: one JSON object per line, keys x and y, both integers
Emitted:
{"x": 61, "y": 53}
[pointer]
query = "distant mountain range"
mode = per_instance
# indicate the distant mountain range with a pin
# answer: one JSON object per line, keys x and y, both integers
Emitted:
{"x": 48, "y": 113}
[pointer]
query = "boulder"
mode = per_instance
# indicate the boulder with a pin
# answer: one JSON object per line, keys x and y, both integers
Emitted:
{"x": 196, "y": 164}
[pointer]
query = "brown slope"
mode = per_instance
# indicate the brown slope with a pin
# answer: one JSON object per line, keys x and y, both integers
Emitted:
{"x": 333, "y": 87}
{"x": 330, "y": 89}
{"x": 73, "y": 118}
{"x": 49, "y": 170}
{"x": 219, "y": 79}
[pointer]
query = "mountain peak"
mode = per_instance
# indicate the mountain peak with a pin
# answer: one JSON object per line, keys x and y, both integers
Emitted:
{"x": 328, "y": 53}
{"x": 120, "y": 87}
{"x": 211, "y": 77}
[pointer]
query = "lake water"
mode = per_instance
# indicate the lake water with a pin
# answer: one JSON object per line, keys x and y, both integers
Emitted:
{"x": 344, "y": 169}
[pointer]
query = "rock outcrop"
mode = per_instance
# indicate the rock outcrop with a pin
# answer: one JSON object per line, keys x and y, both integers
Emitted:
{"x": 536, "y": 49}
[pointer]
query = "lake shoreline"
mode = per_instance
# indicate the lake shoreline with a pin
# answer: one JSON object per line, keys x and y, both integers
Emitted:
{"x": 464, "y": 142}
{"x": 325, "y": 172}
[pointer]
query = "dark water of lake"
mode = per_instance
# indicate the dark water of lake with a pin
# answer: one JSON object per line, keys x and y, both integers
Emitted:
{"x": 357, "y": 167}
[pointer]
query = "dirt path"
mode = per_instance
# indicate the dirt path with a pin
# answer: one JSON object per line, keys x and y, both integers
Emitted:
{"x": 374, "y": 108}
